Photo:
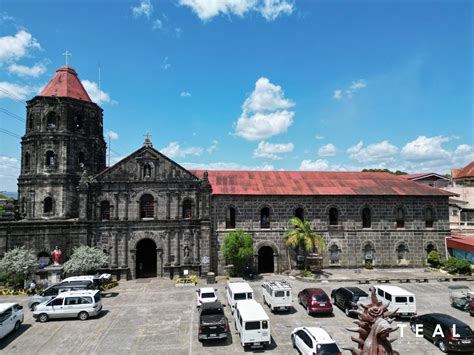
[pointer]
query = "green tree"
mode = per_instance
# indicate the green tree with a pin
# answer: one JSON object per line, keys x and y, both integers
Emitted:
{"x": 85, "y": 259}
{"x": 237, "y": 249}
{"x": 18, "y": 264}
{"x": 303, "y": 237}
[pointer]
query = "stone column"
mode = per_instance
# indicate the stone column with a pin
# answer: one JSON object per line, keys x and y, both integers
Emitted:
{"x": 168, "y": 205}
{"x": 196, "y": 246}
{"x": 168, "y": 247}
{"x": 125, "y": 249}
{"x": 116, "y": 207}
{"x": 116, "y": 245}
{"x": 127, "y": 200}
{"x": 178, "y": 248}
{"x": 198, "y": 209}
{"x": 178, "y": 205}
{"x": 155, "y": 208}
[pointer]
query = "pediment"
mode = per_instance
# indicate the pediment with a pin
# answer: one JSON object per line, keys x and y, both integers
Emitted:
{"x": 146, "y": 164}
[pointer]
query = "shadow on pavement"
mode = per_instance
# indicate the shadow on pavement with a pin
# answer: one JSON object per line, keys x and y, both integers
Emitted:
{"x": 13, "y": 335}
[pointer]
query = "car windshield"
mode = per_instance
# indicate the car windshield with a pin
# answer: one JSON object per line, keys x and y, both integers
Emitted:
{"x": 279, "y": 293}
{"x": 240, "y": 296}
{"x": 328, "y": 349}
{"x": 208, "y": 295}
{"x": 211, "y": 311}
{"x": 464, "y": 331}
{"x": 252, "y": 325}
{"x": 97, "y": 297}
{"x": 320, "y": 298}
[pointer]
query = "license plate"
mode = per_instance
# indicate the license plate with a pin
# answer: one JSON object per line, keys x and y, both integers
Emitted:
{"x": 322, "y": 304}
{"x": 466, "y": 341}
{"x": 212, "y": 335}
{"x": 256, "y": 344}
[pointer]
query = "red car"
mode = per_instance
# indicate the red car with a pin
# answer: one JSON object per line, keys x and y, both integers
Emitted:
{"x": 315, "y": 300}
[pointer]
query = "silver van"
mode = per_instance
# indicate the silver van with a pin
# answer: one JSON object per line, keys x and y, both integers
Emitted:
{"x": 71, "y": 304}
{"x": 54, "y": 290}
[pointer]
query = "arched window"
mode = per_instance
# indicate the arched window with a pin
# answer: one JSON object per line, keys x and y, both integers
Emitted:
{"x": 400, "y": 218}
{"x": 31, "y": 121}
{"x": 366, "y": 218}
{"x": 81, "y": 160}
{"x": 105, "y": 210}
{"x": 299, "y": 212}
{"x": 265, "y": 217}
{"x": 333, "y": 216}
{"x": 402, "y": 253}
{"x": 187, "y": 209}
{"x": 51, "y": 120}
{"x": 50, "y": 159}
{"x": 429, "y": 248}
{"x": 429, "y": 217}
{"x": 147, "y": 208}
{"x": 146, "y": 170}
{"x": 78, "y": 121}
{"x": 27, "y": 161}
{"x": 48, "y": 205}
{"x": 230, "y": 218}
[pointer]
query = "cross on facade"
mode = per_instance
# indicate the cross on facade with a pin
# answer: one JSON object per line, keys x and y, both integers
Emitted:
{"x": 67, "y": 54}
{"x": 147, "y": 136}
{"x": 147, "y": 142}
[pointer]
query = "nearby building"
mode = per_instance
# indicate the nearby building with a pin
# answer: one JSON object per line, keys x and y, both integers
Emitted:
{"x": 462, "y": 247}
{"x": 430, "y": 179}
{"x": 154, "y": 217}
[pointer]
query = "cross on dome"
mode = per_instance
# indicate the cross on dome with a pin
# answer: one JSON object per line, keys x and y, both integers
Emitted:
{"x": 147, "y": 142}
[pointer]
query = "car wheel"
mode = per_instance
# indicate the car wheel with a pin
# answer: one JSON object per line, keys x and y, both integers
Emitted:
{"x": 442, "y": 346}
{"x": 293, "y": 341}
{"x": 83, "y": 315}
{"x": 33, "y": 306}
{"x": 17, "y": 326}
{"x": 413, "y": 327}
{"x": 43, "y": 317}
{"x": 308, "y": 312}
{"x": 347, "y": 311}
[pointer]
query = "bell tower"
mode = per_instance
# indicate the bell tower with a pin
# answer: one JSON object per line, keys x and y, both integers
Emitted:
{"x": 63, "y": 140}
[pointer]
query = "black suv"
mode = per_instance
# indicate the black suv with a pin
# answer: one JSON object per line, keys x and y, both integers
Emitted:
{"x": 346, "y": 298}
{"x": 445, "y": 331}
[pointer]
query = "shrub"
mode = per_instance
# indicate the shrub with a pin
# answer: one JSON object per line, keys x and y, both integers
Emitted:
{"x": 237, "y": 249}
{"x": 85, "y": 259}
{"x": 17, "y": 264}
{"x": 457, "y": 265}
{"x": 434, "y": 259}
{"x": 307, "y": 273}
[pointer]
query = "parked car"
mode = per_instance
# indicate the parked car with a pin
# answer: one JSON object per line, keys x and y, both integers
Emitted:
{"x": 212, "y": 321}
{"x": 315, "y": 300}
{"x": 205, "y": 295}
{"x": 277, "y": 295}
{"x": 445, "y": 331}
{"x": 97, "y": 279}
{"x": 71, "y": 304}
{"x": 55, "y": 290}
{"x": 346, "y": 298}
{"x": 462, "y": 297}
{"x": 11, "y": 317}
{"x": 238, "y": 291}
{"x": 314, "y": 340}
{"x": 398, "y": 299}
{"x": 252, "y": 324}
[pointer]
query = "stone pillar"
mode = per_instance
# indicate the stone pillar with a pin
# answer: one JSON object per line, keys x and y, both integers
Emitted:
{"x": 155, "y": 208}
{"x": 116, "y": 207}
{"x": 127, "y": 200}
{"x": 178, "y": 248}
{"x": 196, "y": 246}
{"x": 125, "y": 249}
{"x": 168, "y": 205}
{"x": 198, "y": 209}
{"x": 168, "y": 247}
{"x": 178, "y": 205}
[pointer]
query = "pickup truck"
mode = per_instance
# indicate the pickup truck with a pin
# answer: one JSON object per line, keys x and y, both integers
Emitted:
{"x": 212, "y": 321}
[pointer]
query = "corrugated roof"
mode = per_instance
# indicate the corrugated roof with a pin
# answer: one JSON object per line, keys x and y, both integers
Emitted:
{"x": 461, "y": 242}
{"x": 226, "y": 182}
{"x": 65, "y": 83}
{"x": 466, "y": 172}
{"x": 418, "y": 176}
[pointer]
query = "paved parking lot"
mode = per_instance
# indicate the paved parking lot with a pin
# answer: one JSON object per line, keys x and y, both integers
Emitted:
{"x": 153, "y": 316}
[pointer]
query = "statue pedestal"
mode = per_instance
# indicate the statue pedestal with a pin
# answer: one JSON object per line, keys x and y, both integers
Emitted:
{"x": 54, "y": 273}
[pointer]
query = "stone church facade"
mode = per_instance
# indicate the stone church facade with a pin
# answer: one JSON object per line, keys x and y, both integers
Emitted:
{"x": 155, "y": 218}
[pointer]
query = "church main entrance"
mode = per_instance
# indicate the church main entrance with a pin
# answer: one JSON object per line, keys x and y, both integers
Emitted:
{"x": 146, "y": 258}
{"x": 265, "y": 260}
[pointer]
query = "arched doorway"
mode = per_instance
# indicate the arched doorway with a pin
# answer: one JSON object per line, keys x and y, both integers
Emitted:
{"x": 146, "y": 258}
{"x": 265, "y": 260}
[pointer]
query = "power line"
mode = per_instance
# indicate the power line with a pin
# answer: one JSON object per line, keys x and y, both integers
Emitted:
{"x": 7, "y": 132}
{"x": 11, "y": 95}
{"x": 12, "y": 115}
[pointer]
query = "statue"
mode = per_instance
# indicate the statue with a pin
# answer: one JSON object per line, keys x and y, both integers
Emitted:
{"x": 374, "y": 329}
{"x": 56, "y": 256}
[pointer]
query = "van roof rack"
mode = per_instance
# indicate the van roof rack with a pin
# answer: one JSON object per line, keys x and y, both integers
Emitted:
{"x": 278, "y": 283}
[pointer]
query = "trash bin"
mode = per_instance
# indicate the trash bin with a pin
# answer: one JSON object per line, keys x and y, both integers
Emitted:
{"x": 211, "y": 278}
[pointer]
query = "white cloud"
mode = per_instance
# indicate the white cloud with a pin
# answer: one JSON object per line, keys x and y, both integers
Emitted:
{"x": 269, "y": 9}
{"x": 213, "y": 147}
{"x": 9, "y": 172}
{"x": 271, "y": 151}
{"x": 145, "y": 8}
{"x": 185, "y": 94}
{"x": 320, "y": 164}
{"x": 327, "y": 150}
{"x": 13, "y": 48}
{"x": 355, "y": 86}
{"x": 226, "y": 166}
{"x": 22, "y": 70}
{"x": 174, "y": 150}
{"x": 157, "y": 24}
{"x": 96, "y": 95}
{"x": 178, "y": 31}
{"x": 318, "y": 137}
{"x": 166, "y": 65}
{"x": 377, "y": 152}
{"x": 15, "y": 91}
{"x": 264, "y": 112}
{"x": 113, "y": 135}
{"x": 426, "y": 148}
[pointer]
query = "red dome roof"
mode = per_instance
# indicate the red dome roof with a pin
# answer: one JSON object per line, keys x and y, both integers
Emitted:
{"x": 65, "y": 83}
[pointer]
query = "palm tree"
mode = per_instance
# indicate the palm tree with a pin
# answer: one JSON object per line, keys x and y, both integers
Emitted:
{"x": 301, "y": 236}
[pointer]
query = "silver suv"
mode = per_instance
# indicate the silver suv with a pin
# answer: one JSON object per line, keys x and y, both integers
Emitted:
{"x": 70, "y": 304}
{"x": 54, "y": 290}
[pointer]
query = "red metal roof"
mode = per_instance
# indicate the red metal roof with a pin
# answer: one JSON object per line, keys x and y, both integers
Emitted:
{"x": 314, "y": 183}
{"x": 467, "y": 171}
{"x": 65, "y": 83}
{"x": 461, "y": 242}
{"x": 418, "y": 176}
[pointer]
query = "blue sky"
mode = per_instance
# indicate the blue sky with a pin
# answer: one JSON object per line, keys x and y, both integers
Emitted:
{"x": 254, "y": 84}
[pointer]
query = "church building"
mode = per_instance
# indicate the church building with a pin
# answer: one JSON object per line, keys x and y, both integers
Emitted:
{"x": 153, "y": 217}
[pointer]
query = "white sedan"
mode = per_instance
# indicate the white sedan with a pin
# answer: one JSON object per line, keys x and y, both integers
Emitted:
{"x": 205, "y": 295}
{"x": 313, "y": 340}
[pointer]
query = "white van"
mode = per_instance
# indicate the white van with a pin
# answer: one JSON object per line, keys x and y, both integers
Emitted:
{"x": 238, "y": 291}
{"x": 277, "y": 295}
{"x": 252, "y": 324}
{"x": 11, "y": 317}
{"x": 399, "y": 299}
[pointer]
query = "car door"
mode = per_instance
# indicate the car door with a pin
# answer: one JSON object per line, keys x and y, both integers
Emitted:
{"x": 300, "y": 344}
{"x": 56, "y": 308}
{"x": 428, "y": 327}
{"x": 6, "y": 325}
{"x": 308, "y": 344}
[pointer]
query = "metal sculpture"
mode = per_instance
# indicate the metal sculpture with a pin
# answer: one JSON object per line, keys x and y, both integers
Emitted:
{"x": 374, "y": 329}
